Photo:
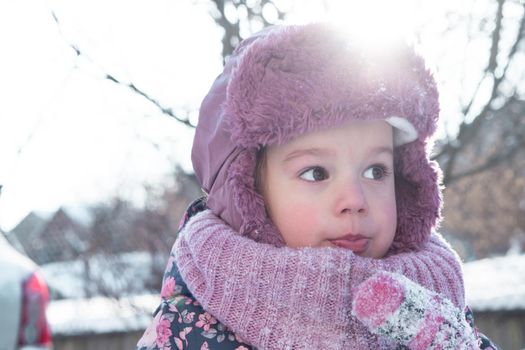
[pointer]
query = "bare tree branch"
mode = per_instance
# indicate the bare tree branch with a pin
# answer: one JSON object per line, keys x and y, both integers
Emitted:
{"x": 519, "y": 36}
{"x": 496, "y": 36}
{"x": 232, "y": 33}
{"x": 492, "y": 61}
{"x": 491, "y": 162}
{"x": 469, "y": 130}
{"x": 231, "y": 30}
{"x": 164, "y": 110}
{"x": 167, "y": 111}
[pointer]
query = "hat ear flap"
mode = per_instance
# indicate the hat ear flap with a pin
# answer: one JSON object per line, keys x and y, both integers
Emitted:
{"x": 248, "y": 202}
{"x": 418, "y": 196}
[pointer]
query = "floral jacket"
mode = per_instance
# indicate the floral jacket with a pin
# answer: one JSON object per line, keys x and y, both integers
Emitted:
{"x": 180, "y": 322}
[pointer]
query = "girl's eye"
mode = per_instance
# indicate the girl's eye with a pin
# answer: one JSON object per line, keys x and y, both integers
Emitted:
{"x": 314, "y": 174}
{"x": 376, "y": 172}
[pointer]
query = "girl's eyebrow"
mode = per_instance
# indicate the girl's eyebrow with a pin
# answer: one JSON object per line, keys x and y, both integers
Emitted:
{"x": 321, "y": 152}
{"x": 317, "y": 152}
{"x": 383, "y": 149}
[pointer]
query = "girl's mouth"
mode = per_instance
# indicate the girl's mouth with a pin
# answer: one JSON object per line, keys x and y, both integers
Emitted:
{"x": 356, "y": 243}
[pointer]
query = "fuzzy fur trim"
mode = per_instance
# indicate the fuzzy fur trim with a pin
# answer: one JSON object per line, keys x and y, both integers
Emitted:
{"x": 303, "y": 79}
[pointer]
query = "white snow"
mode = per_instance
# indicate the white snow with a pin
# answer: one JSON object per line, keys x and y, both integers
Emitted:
{"x": 496, "y": 284}
{"x": 80, "y": 213}
{"x": 121, "y": 275}
{"x": 81, "y": 314}
{"x": 101, "y": 315}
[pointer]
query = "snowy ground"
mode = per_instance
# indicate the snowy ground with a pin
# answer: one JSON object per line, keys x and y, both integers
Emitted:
{"x": 496, "y": 283}
{"x": 78, "y": 313}
{"x": 101, "y": 315}
{"x": 117, "y": 275}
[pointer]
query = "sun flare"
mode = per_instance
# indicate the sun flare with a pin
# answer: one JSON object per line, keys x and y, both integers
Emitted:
{"x": 375, "y": 22}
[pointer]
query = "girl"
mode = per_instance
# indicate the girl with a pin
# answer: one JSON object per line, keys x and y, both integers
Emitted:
{"x": 313, "y": 154}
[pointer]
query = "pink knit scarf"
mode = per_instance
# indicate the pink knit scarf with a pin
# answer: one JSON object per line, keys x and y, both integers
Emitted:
{"x": 284, "y": 298}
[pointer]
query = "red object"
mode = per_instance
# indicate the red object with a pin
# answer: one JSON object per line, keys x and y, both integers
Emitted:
{"x": 377, "y": 298}
{"x": 34, "y": 329}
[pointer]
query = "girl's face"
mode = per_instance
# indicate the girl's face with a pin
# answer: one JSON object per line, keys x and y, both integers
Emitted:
{"x": 334, "y": 188}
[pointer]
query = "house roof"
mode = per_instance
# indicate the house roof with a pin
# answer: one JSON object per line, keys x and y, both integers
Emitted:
{"x": 496, "y": 284}
{"x": 80, "y": 214}
{"x": 35, "y": 221}
{"x": 31, "y": 224}
{"x": 71, "y": 317}
{"x": 52, "y": 236}
{"x": 117, "y": 275}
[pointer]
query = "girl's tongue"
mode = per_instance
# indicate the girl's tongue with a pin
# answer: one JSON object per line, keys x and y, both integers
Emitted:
{"x": 356, "y": 243}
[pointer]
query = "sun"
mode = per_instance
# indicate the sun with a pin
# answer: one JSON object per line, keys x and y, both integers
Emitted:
{"x": 374, "y": 22}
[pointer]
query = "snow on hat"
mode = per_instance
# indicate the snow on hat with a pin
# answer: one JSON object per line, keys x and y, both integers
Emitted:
{"x": 287, "y": 81}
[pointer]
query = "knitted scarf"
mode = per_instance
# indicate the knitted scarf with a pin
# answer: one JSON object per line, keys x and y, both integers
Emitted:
{"x": 284, "y": 298}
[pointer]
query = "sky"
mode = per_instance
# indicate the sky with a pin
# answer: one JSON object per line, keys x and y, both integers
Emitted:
{"x": 70, "y": 137}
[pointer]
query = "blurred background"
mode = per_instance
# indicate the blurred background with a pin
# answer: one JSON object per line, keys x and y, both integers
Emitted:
{"x": 98, "y": 108}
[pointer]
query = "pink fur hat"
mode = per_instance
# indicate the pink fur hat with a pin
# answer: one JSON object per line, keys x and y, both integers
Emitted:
{"x": 287, "y": 81}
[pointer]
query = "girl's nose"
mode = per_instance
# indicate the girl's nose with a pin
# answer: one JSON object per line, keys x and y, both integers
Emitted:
{"x": 351, "y": 198}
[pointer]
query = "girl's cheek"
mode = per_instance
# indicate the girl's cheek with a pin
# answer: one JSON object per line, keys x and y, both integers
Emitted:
{"x": 305, "y": 213}
{"x": 302, "y": 220}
